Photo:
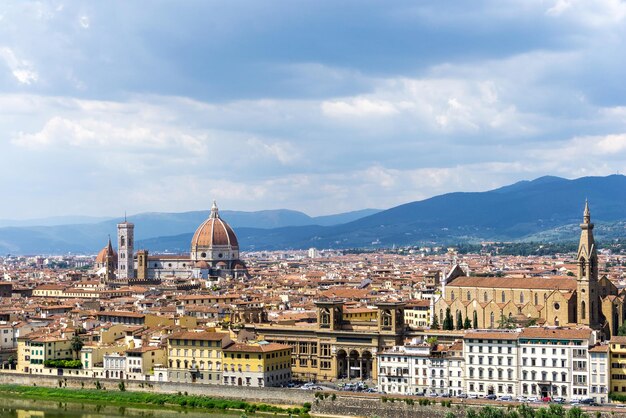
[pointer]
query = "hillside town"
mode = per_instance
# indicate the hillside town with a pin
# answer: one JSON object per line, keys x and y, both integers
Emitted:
{"x": 417, "y": 322}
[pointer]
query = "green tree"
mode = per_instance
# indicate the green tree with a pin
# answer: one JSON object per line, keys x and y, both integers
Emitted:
{"x": 467, "y": 324}
{"x": 505, "y": 322}
{"x": 76, "y": 344}
{"x": 459, "y": 320}
{"x": 435, "y": 324}
{"x": 431, "y": 340}
{"x": 525, "y": 411}
{"x": 576, "y": 412}
{"x": 448, "y": 322}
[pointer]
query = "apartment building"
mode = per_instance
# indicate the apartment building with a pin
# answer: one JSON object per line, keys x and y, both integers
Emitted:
{"x": 196, "y": 356}
{"x": 422, "y": 369}
{"x": 34, "y": 351}
{"x": 404, "y": 369}
{"x": 618, "y": 364}
{"x": 555, "y": 362}
{"x": 257, "y": 365}
{"x": 491, "y": 359}
{"x": 417, "y": 314}
{"x": 600, "y": 367}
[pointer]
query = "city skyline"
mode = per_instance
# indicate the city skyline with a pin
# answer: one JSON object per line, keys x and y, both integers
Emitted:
{"x": 318, "y": 107}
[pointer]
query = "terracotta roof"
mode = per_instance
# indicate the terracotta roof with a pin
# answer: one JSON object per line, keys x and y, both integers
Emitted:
{"x": 203, "y": 335}
{"x": 257, "y": 348}
{"x": 214, "y": 232}
{"x": 121, "y": 314}
{"x": 534, "y": 283}
{"x": 600, "y": 348}
{"x": 618, "y": 339}
{"x": 564, "y": 333}
{"x": 491, "y": 335}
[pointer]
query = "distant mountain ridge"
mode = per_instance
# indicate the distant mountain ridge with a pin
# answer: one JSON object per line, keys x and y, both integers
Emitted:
{"x": 509, "y": 213}
{"x": 549, "y": 207}
{"x": 89, "y": 237}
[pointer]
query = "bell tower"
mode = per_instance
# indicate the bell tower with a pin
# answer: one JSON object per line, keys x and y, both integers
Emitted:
{"x": 588, "y": 303}
{"x": 125, "y": 242}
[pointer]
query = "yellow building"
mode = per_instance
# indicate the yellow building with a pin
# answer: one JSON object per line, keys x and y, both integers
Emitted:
{"x": 32, "y": 352}
{"x": 196, "y": 356}
{"x": 258, "y": 365}
{"x": 49, "y": 290}
{"x": 617, "y": 353}
{"x": 417, "y": 314}
{"x": 141, "y": 361}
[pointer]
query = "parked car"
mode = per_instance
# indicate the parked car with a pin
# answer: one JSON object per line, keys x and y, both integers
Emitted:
{"x": 505, "y": 398}
{"x": 521, "y": 398}
{"x": 533, "y": 399}
{"x": 558, "y": 399}
{"x": 462, "y": 395}
{"x": 491, "y": 397}
{"x": 472, "y": 396}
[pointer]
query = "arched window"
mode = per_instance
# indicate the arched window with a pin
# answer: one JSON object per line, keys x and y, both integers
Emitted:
{"x": 452, "y": 295}
{"x": 536, "y": 300}
{"x": 469, "y": 295}
{"x": 521, "y": 298}
{"x": 491, "y": 320}
{"x": 441, "y": 316}
{"x": 503, "y": 297}
{"x": 485, "y": 297}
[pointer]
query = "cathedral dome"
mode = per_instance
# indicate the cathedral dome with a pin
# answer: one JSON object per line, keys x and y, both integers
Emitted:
{"x": 214, "y": 235}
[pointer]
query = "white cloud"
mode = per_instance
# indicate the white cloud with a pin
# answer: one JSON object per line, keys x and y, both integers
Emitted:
{"x": 22, "y": 70}
{"x": 284, "y": 152}
{"x": 359, "y": 107}
{"x": 595, "y": 13}
{"x": 84, "y": 22}
{"x": 97, "y": 134}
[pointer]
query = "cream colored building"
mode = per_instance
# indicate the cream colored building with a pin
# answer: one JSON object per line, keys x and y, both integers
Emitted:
{"x": 196, "y": 356}
{"x": 257, "y": 365}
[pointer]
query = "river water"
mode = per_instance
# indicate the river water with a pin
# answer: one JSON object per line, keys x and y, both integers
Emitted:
{"x": 26, "y": 408}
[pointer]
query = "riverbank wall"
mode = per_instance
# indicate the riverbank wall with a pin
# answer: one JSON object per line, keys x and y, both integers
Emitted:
{"x": 344, "y": 404}
{"x": 266, "y": 395}
{"x": 353, "y": 405}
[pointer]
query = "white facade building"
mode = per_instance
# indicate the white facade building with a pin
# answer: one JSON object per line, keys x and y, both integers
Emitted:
{"x": 599, "y": 360}
{"x": 422, "y": 369}
{"x": 555, "y": 362}
{"x": 491, "y": 362}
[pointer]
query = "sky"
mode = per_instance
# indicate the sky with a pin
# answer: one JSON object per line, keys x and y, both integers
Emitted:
{"x": 319, "y": 106}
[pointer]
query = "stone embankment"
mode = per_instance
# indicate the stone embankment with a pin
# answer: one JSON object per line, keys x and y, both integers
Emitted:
{"x": 368, "y": 406}
{"x": 347, "y": 404}
{"x": 277, "y": 396}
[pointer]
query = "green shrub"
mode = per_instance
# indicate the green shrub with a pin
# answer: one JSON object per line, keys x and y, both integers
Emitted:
{"x": 64, "y": 364}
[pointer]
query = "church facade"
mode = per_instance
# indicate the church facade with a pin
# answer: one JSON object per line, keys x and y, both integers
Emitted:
{"x": 214, "y": 254}
{"x": 584, "y": 300}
